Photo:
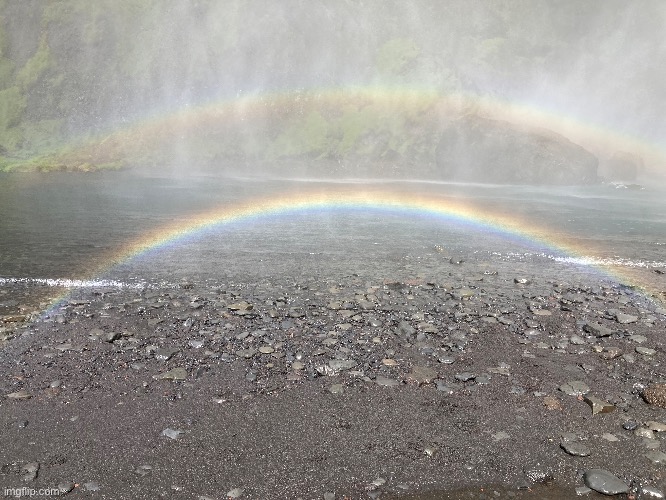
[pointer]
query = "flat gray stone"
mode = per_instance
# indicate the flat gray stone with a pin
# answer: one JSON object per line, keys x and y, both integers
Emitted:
{"x": 575, "y": 388}
{"x": 602, "y": 481}
{"x": 575, "y": 448}
{"x": 172, "y": 433}
{"x": 656, "y": 457}
{"x": 175, "y": 374}
{"x": 624, "y": 319}
{"x": 597, "y": 330}
{"x": 386, "y": 382}
{"x": 422, "y": 375}
{"x": 341, "y": 364}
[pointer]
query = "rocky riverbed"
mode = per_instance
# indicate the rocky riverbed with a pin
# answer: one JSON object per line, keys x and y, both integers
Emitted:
{"x": 505, "y": 386}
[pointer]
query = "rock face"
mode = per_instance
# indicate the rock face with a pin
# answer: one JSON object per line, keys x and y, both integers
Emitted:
{"x": 623, "y": 166}
{"x": 476, "y": 149}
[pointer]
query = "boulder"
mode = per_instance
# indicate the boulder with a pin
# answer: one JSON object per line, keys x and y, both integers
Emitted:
{"x": 623, "y": 166}
{"x": 477, "y": 149}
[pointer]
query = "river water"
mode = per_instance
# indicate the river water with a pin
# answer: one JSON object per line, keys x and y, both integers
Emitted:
{"x": 60, "y": 227}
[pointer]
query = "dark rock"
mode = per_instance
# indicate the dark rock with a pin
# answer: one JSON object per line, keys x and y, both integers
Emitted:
{"x": 602, "y": 481}
{"x": 623, "y": 166}
{"x": 517, "y": 155}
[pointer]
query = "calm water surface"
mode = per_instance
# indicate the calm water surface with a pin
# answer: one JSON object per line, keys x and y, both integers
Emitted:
{"x": 65, "y": 226}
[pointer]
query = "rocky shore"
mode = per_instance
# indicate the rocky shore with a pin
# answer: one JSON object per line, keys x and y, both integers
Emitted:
{"x": 505, "y": 387}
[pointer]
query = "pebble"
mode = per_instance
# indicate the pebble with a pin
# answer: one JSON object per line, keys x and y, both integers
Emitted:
{"x": 91, "y": 486}
{"x": 386, "y": 382}
{"x": 575, "y": 388}
{"x": 336, "y": 389}
{"x": 644, "y": 432}
{"x": 266, "y": 349}
{"x": 630, "y": 425}
{"x": 624, "y": 319}
{"x": 646, "y": 492}
{"x": 574, "y": 448}
{"x": 645, "y": 351}
{"x": 465, "y": 376}
{"x": 422, "y": 375}
{"x": 172, "y": 433}
{"x": 175, "y": 374}
{"x": 165, "y": 354}
{"x": 30, "y": 469}
{"x": 389, "y": 362}
{"x": 656, "y": 426}
{"x": 597, "y": 330}
{"x": 22, "y": 394}
{"x": 602, "y": 481}
{"x": 235, "y": 493}
{"x": 65, "y": 486}
{"x": 598, "y": 405}
{"x": 329, "y": 495}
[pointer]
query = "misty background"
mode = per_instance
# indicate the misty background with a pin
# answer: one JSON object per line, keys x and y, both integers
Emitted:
{"x": 88, "y": 84}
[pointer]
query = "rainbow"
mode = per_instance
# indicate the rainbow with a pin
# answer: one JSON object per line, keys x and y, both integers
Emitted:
{"x": 249, "y": 113}
{"x": 442, "y": 210}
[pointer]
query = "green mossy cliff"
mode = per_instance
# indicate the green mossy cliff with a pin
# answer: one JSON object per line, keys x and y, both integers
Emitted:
{"x": 221, "y": 85}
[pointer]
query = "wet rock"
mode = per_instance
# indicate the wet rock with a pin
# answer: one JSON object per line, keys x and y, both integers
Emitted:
{"x": 597, "y": 329}
{"x": 630, "y": 425}
{"x": 575, "y": 448}
{"x": 655, "y": 394}
{"x": 646, "y": 492}
{"x": 646, "y": 351}
{"x": 602, "y": 481}
{"x": 598, "y": 405}
{"x": 575, "y": 388}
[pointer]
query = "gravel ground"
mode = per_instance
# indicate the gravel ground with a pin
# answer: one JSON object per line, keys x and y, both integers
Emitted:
{"x": 498, "y": 387}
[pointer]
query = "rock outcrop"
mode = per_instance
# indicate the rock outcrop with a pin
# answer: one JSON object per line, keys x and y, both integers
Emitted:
{"x": 476, "y": 149}
{"x": 623, "y": 166}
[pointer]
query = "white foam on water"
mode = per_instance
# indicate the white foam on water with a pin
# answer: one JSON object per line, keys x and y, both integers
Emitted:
{"x": 588, "y": 260}
{"x": 73, "y": 283}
